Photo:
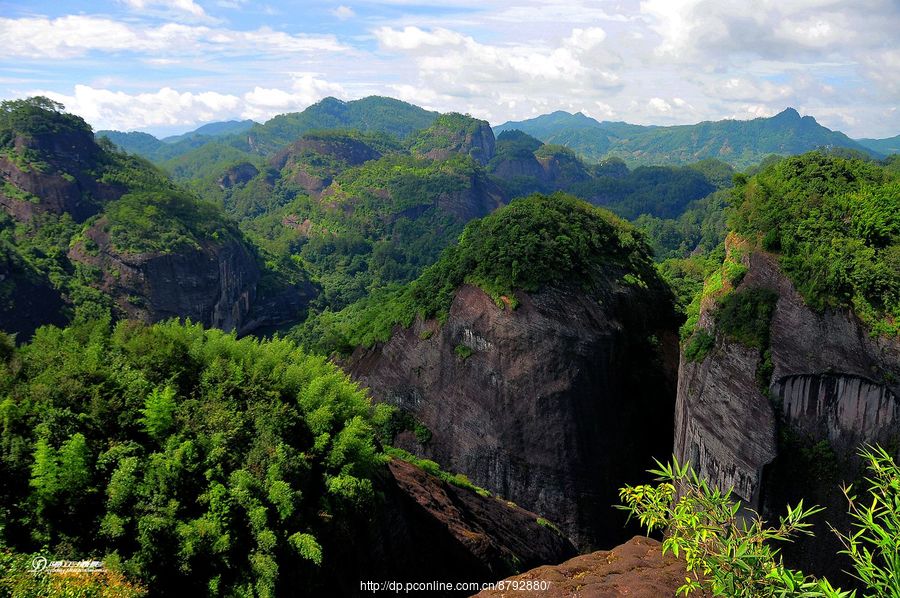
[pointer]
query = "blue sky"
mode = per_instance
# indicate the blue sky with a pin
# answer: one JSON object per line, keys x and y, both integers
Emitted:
{"x": 166, "y": 66}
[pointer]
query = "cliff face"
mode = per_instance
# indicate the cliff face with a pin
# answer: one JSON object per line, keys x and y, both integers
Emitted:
{"x": 553, "y": 405}
{"x": 313, "y": 161}
{"x": 832, "y": 388}
{"x": 214, "y": 284}
{"x": 455, "y": 134}
{"x": 426, "y": 530}
{"x": 61, "y": 184}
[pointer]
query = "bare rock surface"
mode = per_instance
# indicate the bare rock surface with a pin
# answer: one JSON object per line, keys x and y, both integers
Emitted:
{"x": 635, "y": 569}
{"x": 553, "y": 405}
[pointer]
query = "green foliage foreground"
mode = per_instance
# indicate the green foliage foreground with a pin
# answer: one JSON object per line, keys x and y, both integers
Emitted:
{"x": 190, "y": 461}
{"x": 731, "y": 553}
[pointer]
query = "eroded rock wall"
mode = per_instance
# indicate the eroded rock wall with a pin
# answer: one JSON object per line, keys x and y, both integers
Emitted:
{"x": 560, "y": 402}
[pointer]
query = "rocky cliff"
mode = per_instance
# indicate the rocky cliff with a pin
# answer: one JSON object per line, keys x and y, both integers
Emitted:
{"x": 52, "y": 173}
{"x": 315, "y": 159}
{"x": 552, "y": 405}
{"x": 456, "y": 134}
{"x": 784, "y": 421}
{"x": 214, "y": 284}
{"x": 425, "y": 530}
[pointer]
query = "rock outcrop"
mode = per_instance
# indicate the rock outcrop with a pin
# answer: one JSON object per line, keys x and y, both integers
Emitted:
{"x": 457, "y": 134}
{"x": 636, "y": 569}
{"x": 426, "y": 529}
{"x": 553, "y": 405}
{"x": 214, "y": 284}
{"x": 794, "y": 434}
{"x": 239, "y": 174}
{"x": 315, "y": 159}
{"x": 59, "y": 182}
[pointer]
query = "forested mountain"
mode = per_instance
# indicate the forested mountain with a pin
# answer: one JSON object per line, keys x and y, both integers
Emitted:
{"x": 373, "y": 114}
{"x": 158, "y": 150}
{"x": 216, "y": 129}
{"x": 740, "y": 143}
{"x": 891, "y": 145}
{"x": 88, "y": 231}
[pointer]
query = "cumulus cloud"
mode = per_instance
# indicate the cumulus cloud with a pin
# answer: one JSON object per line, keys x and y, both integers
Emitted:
{"x": 78, "y": 35}
{"x": 659, "y": 105}
{"x": 167, "y": 107}
{"x": 721, "y": 30}
{"x": 188, "y": 6}
{"x": 454, "y": 65}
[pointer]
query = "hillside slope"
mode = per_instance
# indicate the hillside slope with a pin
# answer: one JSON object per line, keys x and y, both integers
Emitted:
{"x": 107, "y": 233}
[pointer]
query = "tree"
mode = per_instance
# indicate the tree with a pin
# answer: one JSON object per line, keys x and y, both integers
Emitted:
{"x": 159, "y": 412}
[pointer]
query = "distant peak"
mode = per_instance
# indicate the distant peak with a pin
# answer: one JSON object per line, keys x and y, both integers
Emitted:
{"x": 788, "y": 114}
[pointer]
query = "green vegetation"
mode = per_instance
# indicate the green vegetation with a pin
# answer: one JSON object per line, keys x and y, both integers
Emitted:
{"x": 745, "y": 316}
{"x": 36, "y": 117}
{"x": 371, "y": 114}
{"x": 450, "y": 132}
{"x": 659, "y": 191}
{"x": 164, "y": 222}
{"x": 457, "y": 479}
{"x": 463, "y": 351}
{"x": 534, "y": 241}
{"x": 135, "y": 204}
{"x": 379, "y": 224}
{"x": 741, "y": 143}
{"x": 835, "y": 223}
{"x": 731, "y": 554}
{"x": 698, "y": 346}
{"x": 548, "y": 524}
{"x": 188, "y": 460}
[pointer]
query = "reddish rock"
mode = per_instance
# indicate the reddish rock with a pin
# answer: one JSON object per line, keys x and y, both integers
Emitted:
{"x": 636, "y": 569}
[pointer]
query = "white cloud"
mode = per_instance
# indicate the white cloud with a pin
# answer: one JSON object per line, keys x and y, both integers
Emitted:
{"x": 456, "y": 68}
{"x": 307, "y": 88}
{"x": 167, "y": 107}
{"x": 343, "y": 12}
{"x": 748, "y": 90}
{"x": 76, "y": 35}
{"x": 725, "y": 30}
{"x": 659, "y": 105}
{"x": 188, "y": 6}
{"x": 583, "y": 40}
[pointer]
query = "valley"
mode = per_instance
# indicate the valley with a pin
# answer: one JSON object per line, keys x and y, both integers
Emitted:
{"x": 373, "y": 341}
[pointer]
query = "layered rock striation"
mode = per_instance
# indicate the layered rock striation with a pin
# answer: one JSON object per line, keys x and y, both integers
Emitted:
{"x": 786, "y": 421}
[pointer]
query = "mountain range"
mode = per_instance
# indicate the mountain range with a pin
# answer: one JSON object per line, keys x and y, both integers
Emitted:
{"x": 741, "y": 143}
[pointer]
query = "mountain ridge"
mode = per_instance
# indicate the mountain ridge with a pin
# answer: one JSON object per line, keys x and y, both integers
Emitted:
{"x": 741, "y": 143}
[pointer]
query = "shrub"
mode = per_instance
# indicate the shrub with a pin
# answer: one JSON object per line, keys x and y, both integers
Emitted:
{"x": 731, "y": 553}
